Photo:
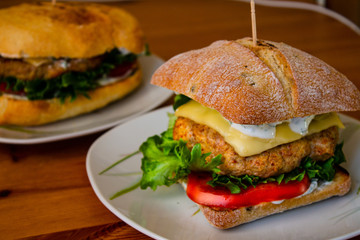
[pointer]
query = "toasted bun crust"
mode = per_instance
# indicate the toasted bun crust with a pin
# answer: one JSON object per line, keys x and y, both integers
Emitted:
{"x": 230, "y": 218}
{"x": 38, "y": 112}
{"x": 254, "y": 85}
{"x": 66, "y": 30}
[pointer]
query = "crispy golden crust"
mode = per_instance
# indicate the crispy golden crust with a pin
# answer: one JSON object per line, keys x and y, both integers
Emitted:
{"x": 275, "y": 161}
{"x": 66, "y": 30}
{"x": 255, "y": 85}
{"x": 230, "y": 218}
{"x": 38, "y": 112}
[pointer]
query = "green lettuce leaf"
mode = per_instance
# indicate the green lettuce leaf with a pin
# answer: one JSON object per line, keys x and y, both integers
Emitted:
{"x": 180, "y": 100}
{"x": 198, "y": 162}
{"x": 165, "y": 160}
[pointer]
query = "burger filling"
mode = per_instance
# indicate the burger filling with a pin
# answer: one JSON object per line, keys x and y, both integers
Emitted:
{"x": 282, "y": 168}
{"x": 47, "y": 78}
{"x": 275, "y": 161}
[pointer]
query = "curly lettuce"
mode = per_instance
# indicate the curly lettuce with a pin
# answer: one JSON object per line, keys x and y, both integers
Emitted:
{"x": 166, "y": 160}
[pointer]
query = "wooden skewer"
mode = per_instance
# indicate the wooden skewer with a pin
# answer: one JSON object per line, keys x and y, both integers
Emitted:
{"x": 53, "y": 2}
{"x": 253, "y": 21}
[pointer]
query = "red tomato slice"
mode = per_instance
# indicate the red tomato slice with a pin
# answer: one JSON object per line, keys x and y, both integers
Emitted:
{"x": 200, "y": 192}
{"x": 120, "y": 70}
{"x": 3, "y": 88}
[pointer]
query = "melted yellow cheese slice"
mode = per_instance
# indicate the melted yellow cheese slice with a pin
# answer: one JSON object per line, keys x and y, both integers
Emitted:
{"x": 246, "y": 145}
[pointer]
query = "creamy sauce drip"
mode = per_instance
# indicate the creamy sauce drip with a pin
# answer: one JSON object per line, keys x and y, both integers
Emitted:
{"x": 301, "y": 125}
{"x": 106, "y": 80}
{"x": 313, "y": 185}
{"x": 14, "y": 96}
{"x": 268, "y": 131}
{"x": 265, "y": 131}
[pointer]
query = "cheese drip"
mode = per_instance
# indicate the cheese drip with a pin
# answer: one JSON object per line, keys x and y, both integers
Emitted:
{"x": 246, "y": 145}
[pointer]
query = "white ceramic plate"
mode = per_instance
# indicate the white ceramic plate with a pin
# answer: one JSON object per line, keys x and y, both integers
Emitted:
{"x": 143, "y": 99}
{"x": 167, "y": 213}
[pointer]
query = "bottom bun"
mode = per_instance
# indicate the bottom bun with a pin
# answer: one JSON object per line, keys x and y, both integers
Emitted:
{"x": 227, "y": 218}
{"x": 37, "y": 112}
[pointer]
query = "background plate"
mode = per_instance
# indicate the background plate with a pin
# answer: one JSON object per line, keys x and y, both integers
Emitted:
{"x": 168, "y": 213}
{"x": 143, "y": 99}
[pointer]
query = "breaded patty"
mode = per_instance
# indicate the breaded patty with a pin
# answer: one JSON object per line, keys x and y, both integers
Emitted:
{"x": 49, "y": 69}
{"x": 278, "y": 160}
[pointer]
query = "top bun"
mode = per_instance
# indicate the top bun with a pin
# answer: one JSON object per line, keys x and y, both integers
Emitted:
{"x": 260, "y": 84}
{"x": 66, "y": 30}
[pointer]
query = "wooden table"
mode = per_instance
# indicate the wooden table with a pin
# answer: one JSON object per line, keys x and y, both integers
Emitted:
{"x": 44, "y": 189}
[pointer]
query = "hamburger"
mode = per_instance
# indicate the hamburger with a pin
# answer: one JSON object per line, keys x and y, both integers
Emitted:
{"x": 255, "y": 130}
{"x": 59, "y": 61}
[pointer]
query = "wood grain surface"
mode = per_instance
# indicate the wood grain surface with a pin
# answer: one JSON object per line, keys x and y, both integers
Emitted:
{"x": 44, "y": 189}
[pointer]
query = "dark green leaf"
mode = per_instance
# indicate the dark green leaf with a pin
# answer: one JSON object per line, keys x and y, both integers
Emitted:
{"x": 339, "y": 154}
{"x": 147, "y": 50}
{"x": 180, "y": 100}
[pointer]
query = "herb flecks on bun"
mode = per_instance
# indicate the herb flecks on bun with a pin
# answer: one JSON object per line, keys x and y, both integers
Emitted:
{"x": 255, "y": 130}
{"x": 59, "y": 61}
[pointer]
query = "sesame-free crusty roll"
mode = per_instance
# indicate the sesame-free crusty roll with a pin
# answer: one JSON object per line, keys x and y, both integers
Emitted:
{"x": 267, "y": 83}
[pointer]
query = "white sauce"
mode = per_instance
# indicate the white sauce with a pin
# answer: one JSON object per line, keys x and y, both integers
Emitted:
{"x": 106, "y": 80}
{"x": 64, "y": 64}
{"x": 261, "y": 131}
{"x": 268, "y": 131}
{"x": 14, "y": 96}
{"x": 301, "y": 125}
{"x": 324, "y": 184}
{"x": 123, "y": 50}
{"x": 313, "y": 185}
{"x": 277, "y": 202}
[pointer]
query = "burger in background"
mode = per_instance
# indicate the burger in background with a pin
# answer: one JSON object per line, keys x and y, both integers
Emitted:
{"x": 62, "y": 60}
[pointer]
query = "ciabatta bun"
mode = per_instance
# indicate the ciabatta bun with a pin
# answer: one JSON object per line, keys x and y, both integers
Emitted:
{"x": 271, "y": 82}
{"x": 227, "y": 218}
{"x": 66, "y": 30}
{"x": 37, "y": 112}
